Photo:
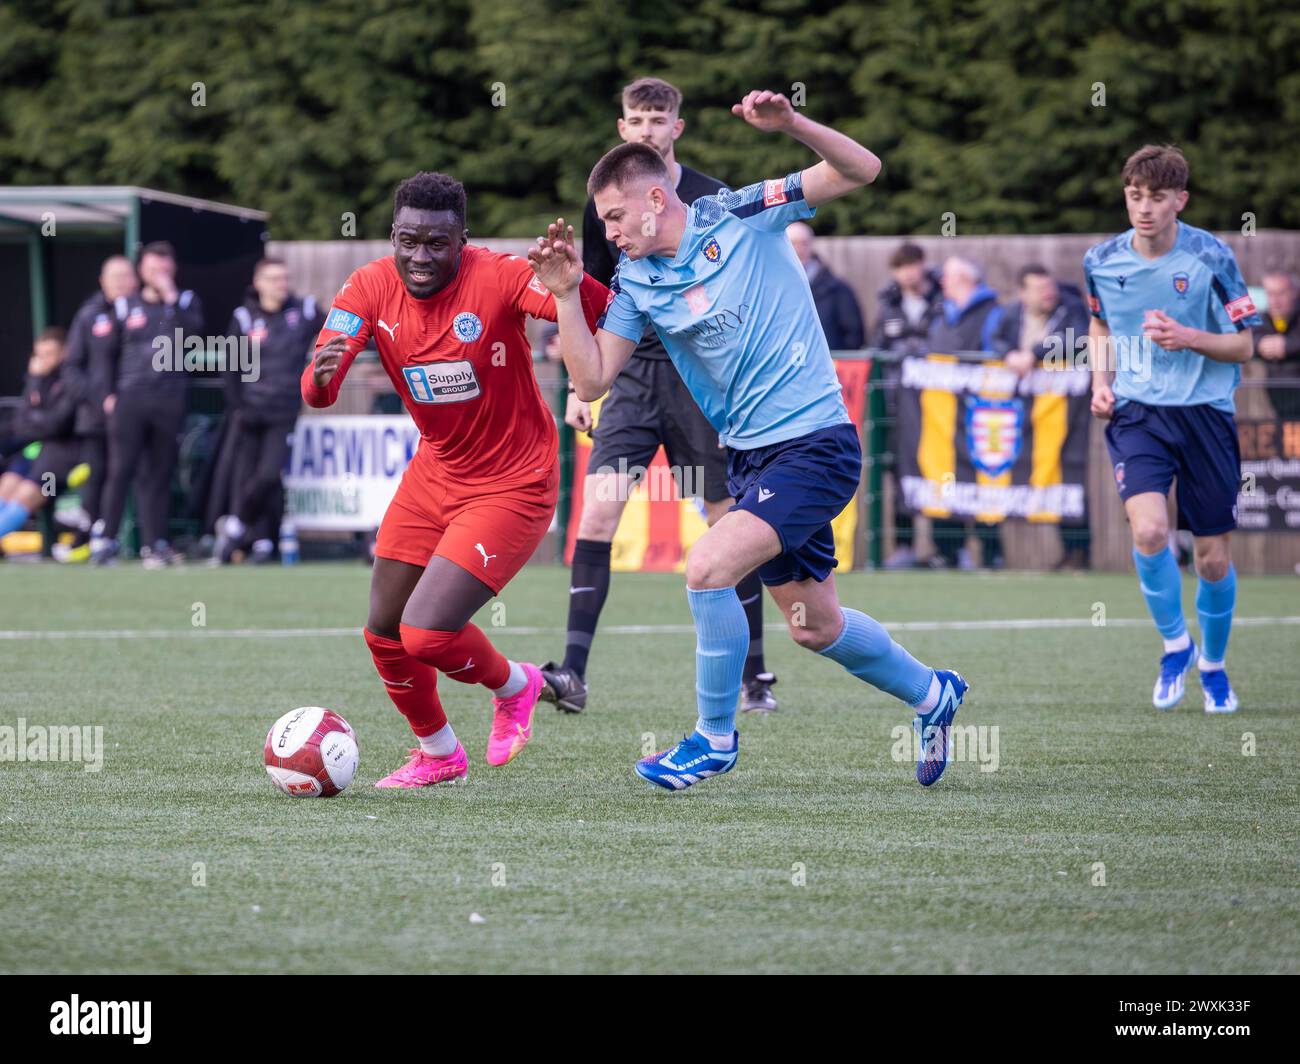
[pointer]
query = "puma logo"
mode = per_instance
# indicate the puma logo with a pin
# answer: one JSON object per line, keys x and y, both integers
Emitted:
{"x": 390, "y": 329}
{"x": 486, "y": 556}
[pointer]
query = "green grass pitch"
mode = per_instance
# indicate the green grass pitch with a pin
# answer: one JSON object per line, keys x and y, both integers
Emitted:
{"x": 818, "y": 853}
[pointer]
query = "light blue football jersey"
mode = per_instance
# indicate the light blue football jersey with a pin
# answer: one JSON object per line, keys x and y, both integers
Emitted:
{"x": 1197, "y": 283}
{"x": 735, "y": 313}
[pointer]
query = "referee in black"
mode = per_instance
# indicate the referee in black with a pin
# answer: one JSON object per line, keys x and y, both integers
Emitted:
{"x": 281, "y": 328}
{"x": 647, "y": 406}
{"x": 147, "y": 407}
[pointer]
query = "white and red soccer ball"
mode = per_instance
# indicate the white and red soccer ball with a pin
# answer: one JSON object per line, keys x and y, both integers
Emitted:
{"x": 311, "y": 753}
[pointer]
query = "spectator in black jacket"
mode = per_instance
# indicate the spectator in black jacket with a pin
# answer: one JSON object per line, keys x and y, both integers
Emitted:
{"x": 147, "y": 406}
{"x": 837, "y": 306}
{"x": 46, "y": 415}
{"x": 89, "y": 370}
{"x": 1277, "y": 341}
{"x": 908, "y": 304}
{"x": 1048, "y": 318}
{"x": 282, "y": 329}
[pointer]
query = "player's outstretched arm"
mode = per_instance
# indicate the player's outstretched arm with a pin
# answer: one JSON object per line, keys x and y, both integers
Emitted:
{"x": 592, "y": 361}
{"x": 846, "y": 165}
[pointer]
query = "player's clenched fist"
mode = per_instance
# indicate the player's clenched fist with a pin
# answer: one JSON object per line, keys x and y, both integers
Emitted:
{"x": 769, "y": 111}
{"x": 555, "y": 260}
{"x": 327, "y": 360}
{"x": 577, "y": 414}
{"x": 1103, "y": 401}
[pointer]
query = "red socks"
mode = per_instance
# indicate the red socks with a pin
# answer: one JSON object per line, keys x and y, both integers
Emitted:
{"x": 466, "y": 655}
{"x": 411, "y": 684}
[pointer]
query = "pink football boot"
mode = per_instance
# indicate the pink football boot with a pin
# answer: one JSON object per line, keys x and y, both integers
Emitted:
{"x": 423, "y": 769}
{"x": 512, "y": 719}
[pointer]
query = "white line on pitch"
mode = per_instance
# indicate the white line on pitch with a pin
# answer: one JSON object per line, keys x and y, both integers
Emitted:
{"x": 1010, "y": 624}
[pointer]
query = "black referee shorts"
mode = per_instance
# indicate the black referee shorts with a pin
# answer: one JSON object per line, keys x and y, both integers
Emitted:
{"x": 649, "y": 406}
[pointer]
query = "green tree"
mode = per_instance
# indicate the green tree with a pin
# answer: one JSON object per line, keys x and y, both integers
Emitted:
{"x": 984, "y": 108}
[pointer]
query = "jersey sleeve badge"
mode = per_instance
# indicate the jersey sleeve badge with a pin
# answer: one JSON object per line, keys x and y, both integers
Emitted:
{"x": 344, "y": 321}
{"x": 1242, "y": 307}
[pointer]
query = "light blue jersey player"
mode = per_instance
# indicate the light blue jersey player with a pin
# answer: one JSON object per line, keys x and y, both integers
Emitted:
{"x": 1170, "y": 328}
{"x": 724, "y": 290}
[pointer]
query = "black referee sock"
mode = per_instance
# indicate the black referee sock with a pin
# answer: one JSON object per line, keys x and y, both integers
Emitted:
{"x": 750, "y": 591}
{"x": 588, "y": 586}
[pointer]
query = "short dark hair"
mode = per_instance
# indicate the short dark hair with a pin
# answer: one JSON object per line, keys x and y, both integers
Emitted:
{"x": 652, "y": 94}
{"x": 905, "y": 255}
{"x": 51, "y": 332}
{"x": 1157, "y": 166}
{"x": 262, "y": 264}
{"x": 627, "y": 162}
{"x": 1034, "y": 269}
{"x": 431, "y": 191}
{"x": 161, "y": 248}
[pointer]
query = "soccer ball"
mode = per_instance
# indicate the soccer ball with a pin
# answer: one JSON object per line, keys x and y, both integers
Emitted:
{"x": 311, "y": 753}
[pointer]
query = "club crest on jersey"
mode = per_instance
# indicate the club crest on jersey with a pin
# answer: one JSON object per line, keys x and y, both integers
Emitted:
{"x": 136, "y": 319}
{"x": 713, "y": 250}
{"x": 442, "y": 382}
{"x": 1181, "y": 283}
{"x": 343, "y": 321}
{"x": 103, "y": 325}
{"x": 291, "y": 318}
{"x": 774, "y": 193}
{"x": 1119, "y": 475}
{"x": 467, "y": 327}
{"x": 994, "y": 434}
{"x": 258, "y": 332}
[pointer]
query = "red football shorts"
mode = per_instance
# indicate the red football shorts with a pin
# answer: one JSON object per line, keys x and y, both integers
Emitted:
{"x": 488, "y": 532}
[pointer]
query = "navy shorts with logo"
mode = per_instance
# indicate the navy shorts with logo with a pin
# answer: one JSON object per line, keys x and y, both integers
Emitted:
{"x": 799, "y": 487}
{"x": 1150, "y": 446}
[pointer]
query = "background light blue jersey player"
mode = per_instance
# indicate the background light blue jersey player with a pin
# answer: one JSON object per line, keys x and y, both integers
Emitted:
{"x": 1174, "y": 292}
{"x": 1197, "y": 284}
{"x": 723, "y": 289}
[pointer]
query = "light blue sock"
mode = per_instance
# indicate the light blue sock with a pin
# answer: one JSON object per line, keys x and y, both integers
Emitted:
{"x": 1162, "y": 584}
{"x": 721, "y": 643}
{"x": 867, "y": 651}
{"x": 1214, "y": 605}
{"x": 13, "y": 516}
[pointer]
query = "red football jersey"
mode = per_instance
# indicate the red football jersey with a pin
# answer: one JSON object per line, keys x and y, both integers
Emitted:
{"x": 460, "y": 360}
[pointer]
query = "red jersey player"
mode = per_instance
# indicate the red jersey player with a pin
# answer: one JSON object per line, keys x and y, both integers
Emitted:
{"x": 477, "y": 497}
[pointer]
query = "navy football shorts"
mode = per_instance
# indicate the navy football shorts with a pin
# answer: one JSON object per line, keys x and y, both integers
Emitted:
{"x": 799, "y": 487}
{"x": 1150, "y": 446}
